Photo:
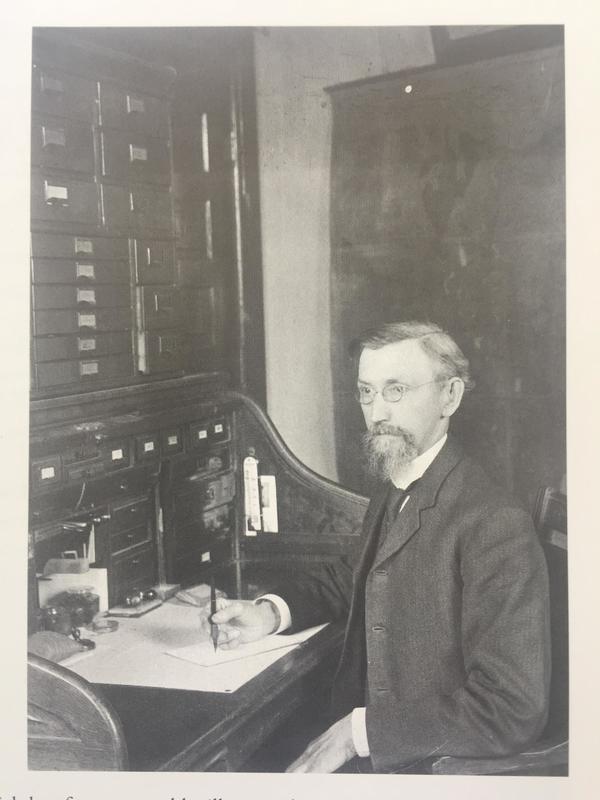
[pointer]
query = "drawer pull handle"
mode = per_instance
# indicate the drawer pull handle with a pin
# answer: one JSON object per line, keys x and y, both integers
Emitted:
{"x": 135, "y": 561}
{"x": 83, "y": 246}
{"x": 86, "y": 320}
{"x": 85, "y": 271}
{"x": 89, "y": 368}
{"x": 51, "y": 85}
{"x": 135, "y": 105}
{"x": 53, "y": 137}
{"x": 56, "y": 195}
{"x": 137, "y": 154}
{"x": 86, "y": 296}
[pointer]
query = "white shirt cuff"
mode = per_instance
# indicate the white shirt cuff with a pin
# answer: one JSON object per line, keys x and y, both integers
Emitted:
{"x": 359, "y": 732}
{"x": 285, "y": 616}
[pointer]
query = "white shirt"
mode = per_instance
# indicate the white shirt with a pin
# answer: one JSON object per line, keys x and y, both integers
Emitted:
{"x": 412, "y": 472}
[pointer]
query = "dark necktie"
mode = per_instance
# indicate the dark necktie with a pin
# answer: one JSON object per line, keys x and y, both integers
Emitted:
{"x": 394, "y": 502}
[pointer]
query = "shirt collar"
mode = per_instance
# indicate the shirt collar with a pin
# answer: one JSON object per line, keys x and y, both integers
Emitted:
{"x": 416, "y": 468}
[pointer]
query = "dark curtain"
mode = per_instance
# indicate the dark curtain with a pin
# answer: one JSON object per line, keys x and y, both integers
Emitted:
{"x": 448, "y": 193}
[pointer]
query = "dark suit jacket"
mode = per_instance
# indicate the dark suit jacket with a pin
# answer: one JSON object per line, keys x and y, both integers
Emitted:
{"x": 454, "y": 617}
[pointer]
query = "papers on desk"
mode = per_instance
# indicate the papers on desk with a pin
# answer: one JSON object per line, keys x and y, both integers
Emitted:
{"x": 205, "y": 655}
{"x": 227, "y": 670}
{"x": 141, "y": 653}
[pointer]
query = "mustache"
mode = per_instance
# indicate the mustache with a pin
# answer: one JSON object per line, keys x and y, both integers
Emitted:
{"x": 385, "y": 429}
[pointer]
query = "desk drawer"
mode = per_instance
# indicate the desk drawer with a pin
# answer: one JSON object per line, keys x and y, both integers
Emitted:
{"x": 55, "y": 198}
{"x": 72, "y": 321}
{"x": 161, "y": 308}
{"x": 128, "y": 539}
{"x": 55, "y": 92}
{"x": 135, "y": 157}
{"x": 64, "y": 245}
{"x": 58, "y": 373}
{"x": 137, "y": 208}
{"x": 212, "y": 492}
{"x": 56, "y": 348}
{"x": 154, "y": 261}
{"x": 130, "y": 110}
{"x": 163, "y": 352}
{"x": 47, "y": 296}
{"x": 83, "y": 272}
{"x": 201, "y": 306}
{"x": 135, "y": 566}
{"x": 62, "y": 144}
{"x": 130, "y": 515}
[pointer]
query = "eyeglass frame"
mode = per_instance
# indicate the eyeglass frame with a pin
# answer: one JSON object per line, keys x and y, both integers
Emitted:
{"x": 405, "y": 389}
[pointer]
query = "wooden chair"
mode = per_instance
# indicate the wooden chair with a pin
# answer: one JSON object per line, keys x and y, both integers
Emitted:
{"x": 549, "y": 756}
{"x": 69, "y": 725}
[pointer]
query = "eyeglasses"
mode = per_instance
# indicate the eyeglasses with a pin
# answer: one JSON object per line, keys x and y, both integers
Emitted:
{"x": 391, "y": 393}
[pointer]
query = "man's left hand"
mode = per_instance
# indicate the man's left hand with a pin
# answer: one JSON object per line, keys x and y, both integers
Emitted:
{"x": 329, "y": 751}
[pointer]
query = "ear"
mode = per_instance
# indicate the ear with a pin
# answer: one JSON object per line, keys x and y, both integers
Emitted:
{"x": 452, "y": 396}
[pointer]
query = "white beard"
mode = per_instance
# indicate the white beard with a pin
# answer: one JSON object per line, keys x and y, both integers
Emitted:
{"x": 388, "y": 449}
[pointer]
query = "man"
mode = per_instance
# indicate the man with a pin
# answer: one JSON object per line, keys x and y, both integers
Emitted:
{"x": 447, "y": 641}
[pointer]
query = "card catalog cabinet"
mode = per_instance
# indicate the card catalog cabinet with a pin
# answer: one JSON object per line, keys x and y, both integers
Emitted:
{"x": 145, "y": 289}
{"x": 129, "y": 254}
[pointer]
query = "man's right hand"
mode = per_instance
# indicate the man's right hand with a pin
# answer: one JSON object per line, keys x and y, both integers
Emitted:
{"x": 240, "y": 621}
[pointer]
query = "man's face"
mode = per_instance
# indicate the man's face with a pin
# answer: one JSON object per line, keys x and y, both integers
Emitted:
{"x": 398, "y": 432}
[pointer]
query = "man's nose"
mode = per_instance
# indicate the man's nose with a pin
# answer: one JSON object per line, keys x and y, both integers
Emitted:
{"x": 380, "y": 411}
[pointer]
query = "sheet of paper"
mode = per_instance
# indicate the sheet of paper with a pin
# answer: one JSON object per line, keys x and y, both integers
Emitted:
{"x": 205, "y": 655}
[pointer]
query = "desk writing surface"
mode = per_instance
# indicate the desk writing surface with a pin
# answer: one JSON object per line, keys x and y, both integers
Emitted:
{"x": 182, "y": 730}
{"x": 159, "y": 649}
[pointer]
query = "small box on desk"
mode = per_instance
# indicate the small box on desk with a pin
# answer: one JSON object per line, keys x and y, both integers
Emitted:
{"x": 50, "y": 586}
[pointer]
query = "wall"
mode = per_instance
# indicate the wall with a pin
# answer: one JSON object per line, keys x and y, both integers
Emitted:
{"x": 293, "y": 65}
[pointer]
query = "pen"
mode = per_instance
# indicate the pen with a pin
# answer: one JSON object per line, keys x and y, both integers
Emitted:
{"x": 214, "y": 629}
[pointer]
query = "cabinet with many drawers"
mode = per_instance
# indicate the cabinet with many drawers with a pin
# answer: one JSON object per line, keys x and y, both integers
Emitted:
{"x": 159, "y": 488}
{"x": 111, "y": 302}
{"x": 145, "y": 290}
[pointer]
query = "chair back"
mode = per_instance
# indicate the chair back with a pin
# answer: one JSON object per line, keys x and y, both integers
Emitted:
{"x": 550, "y": 518}
{"x": 69, "y": 725}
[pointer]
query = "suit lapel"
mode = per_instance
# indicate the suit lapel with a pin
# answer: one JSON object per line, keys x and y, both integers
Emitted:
{"x": 423, "y": 496}
{"x": 371, "y": 527}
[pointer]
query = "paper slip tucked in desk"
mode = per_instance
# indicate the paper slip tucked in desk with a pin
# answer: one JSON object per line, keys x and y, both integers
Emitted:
{"x": 141, "y": 653}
